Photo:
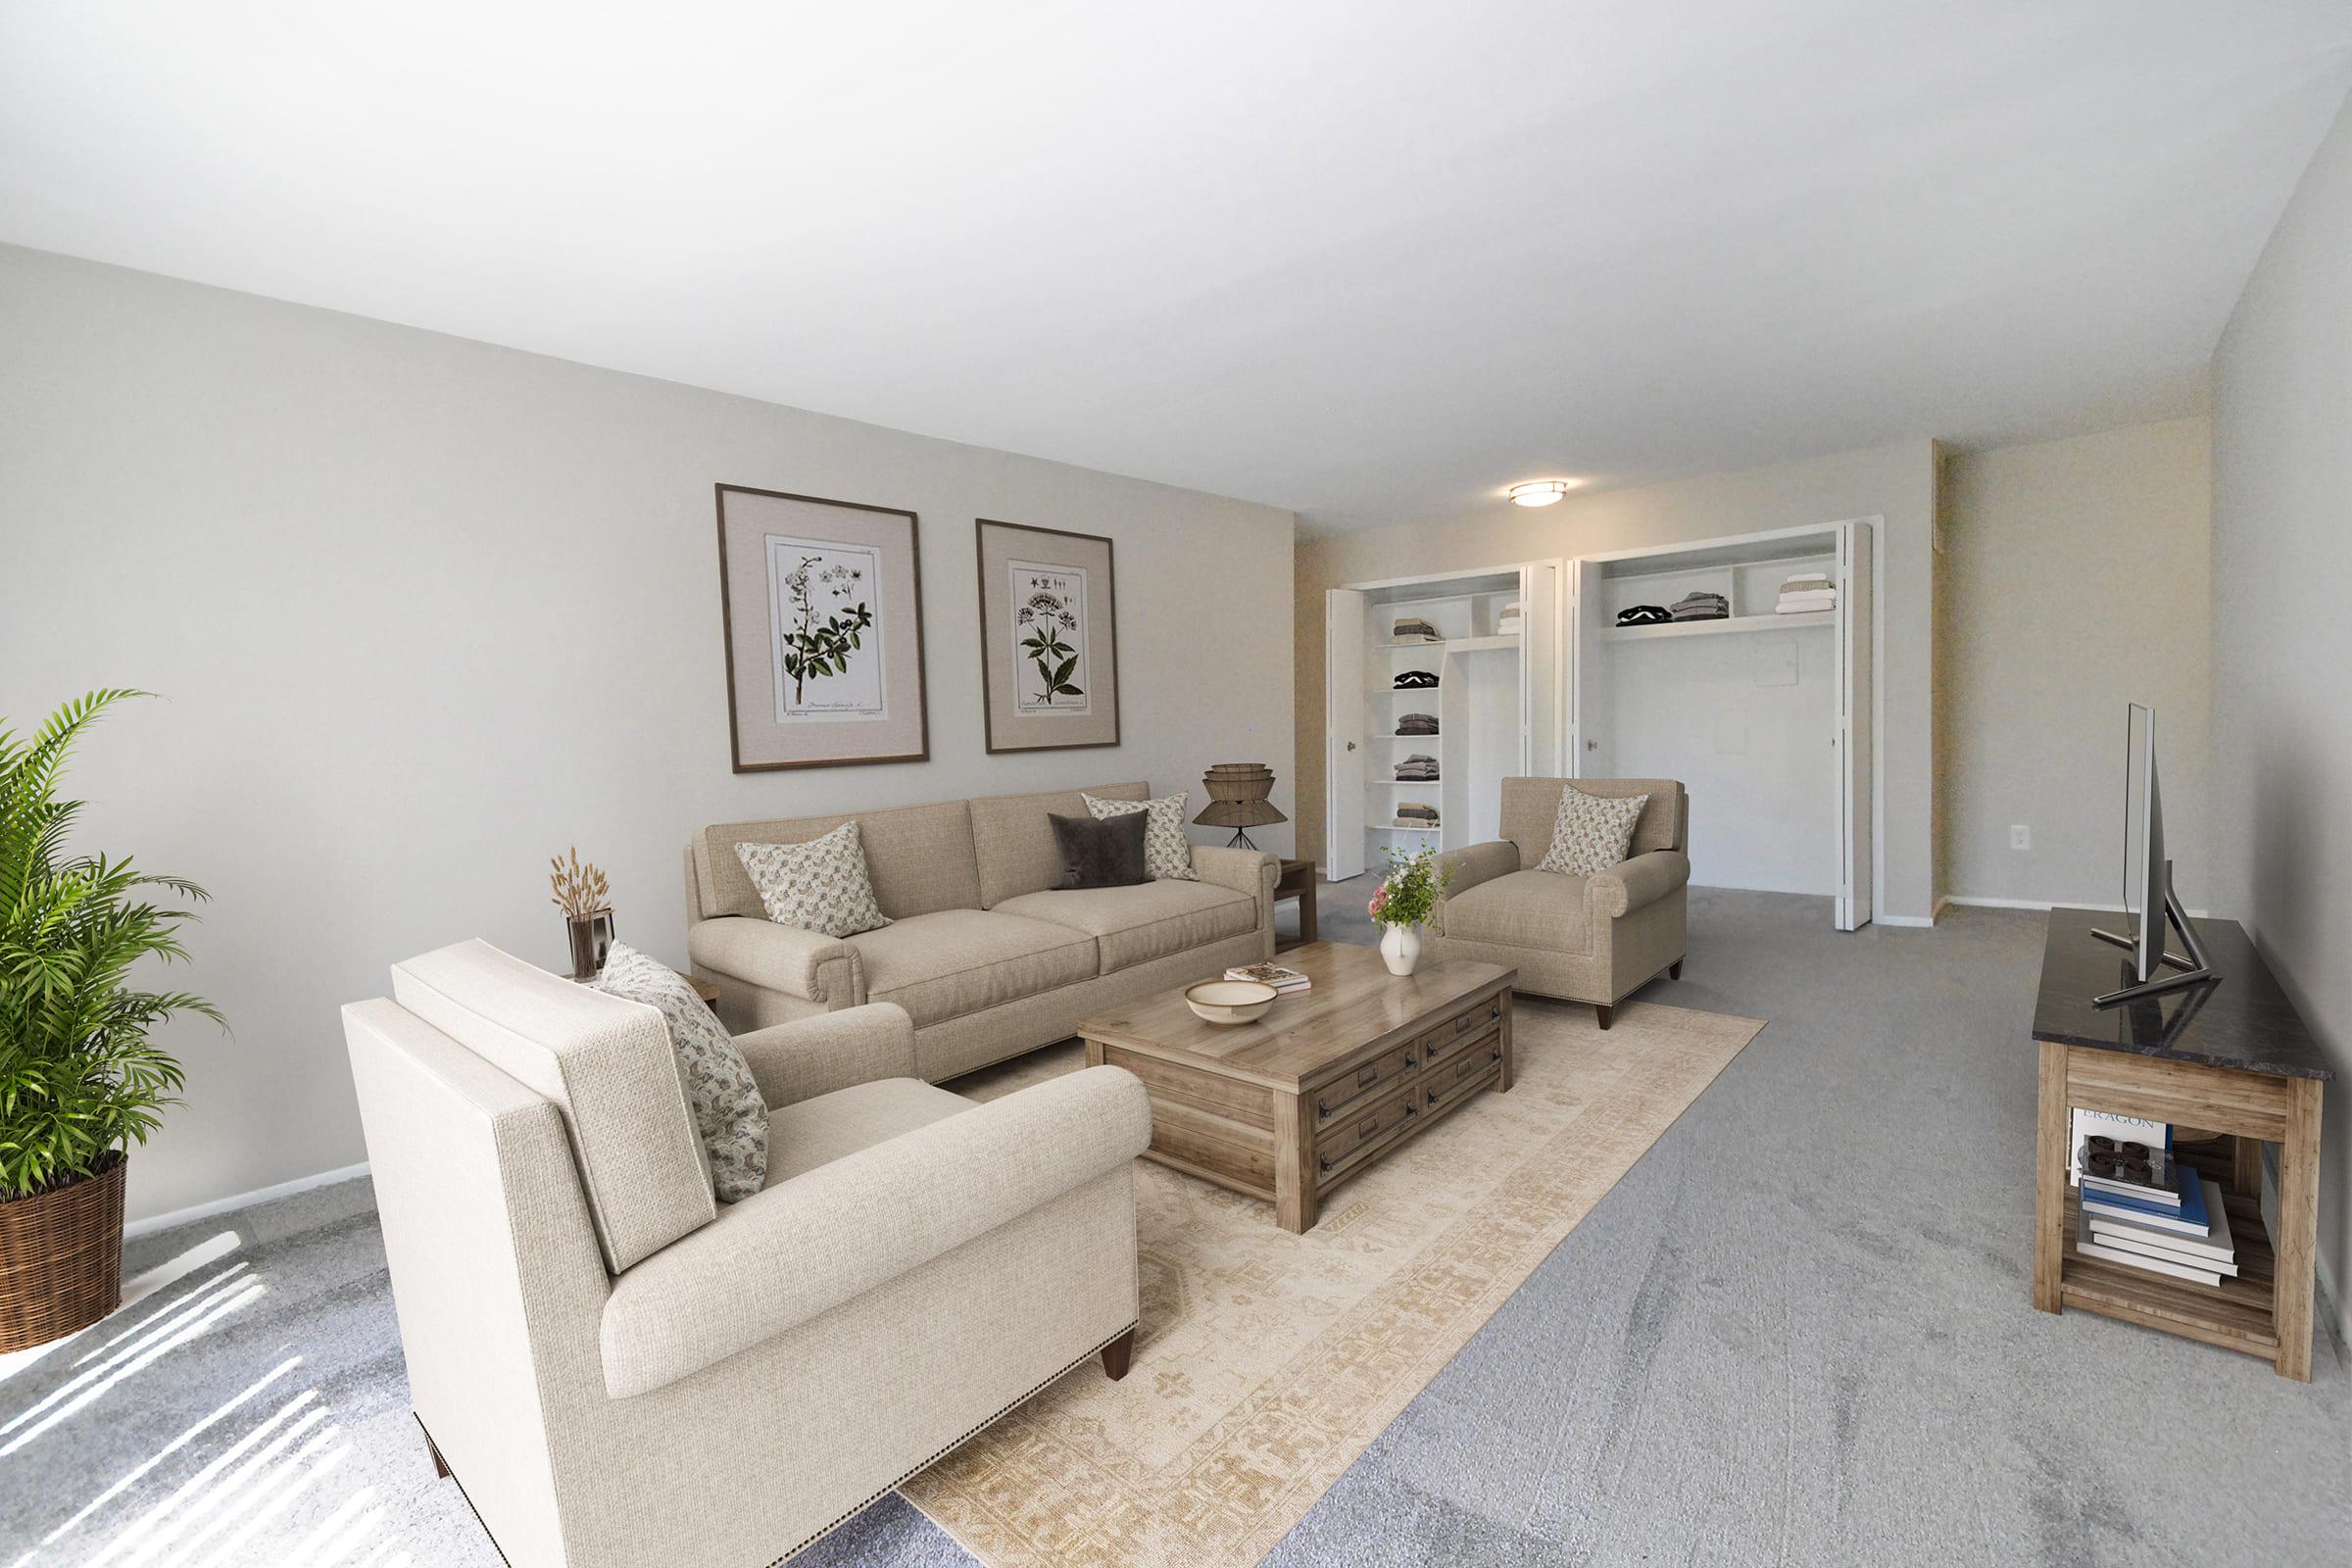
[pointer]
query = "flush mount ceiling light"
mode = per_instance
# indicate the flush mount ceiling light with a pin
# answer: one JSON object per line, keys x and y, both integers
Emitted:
{"x": 1538, "y": 492}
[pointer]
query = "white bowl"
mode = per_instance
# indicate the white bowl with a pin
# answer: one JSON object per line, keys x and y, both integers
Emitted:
{"x": 1230, "y": 1001}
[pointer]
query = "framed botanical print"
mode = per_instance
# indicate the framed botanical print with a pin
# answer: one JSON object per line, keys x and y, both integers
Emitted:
{"x": 1048, "y": 639}
{"x": 822, "y": 607}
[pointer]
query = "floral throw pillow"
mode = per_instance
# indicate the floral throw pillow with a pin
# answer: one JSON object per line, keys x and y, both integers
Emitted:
{"x": 819, "y": 886}
{"x": 728, "y": 1111}
{"x": 1166, "y": 851}
{"x": 1591, "y": 832}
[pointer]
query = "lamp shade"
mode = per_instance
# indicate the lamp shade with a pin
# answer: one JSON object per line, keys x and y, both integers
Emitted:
{"x": 1236, "y": 798}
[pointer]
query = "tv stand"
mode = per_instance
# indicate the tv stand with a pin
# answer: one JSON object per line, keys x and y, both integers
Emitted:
{"x": 2195, "y": 970}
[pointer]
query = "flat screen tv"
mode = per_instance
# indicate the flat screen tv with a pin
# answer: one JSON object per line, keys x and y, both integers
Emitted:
{"x": 2153, "y": 909}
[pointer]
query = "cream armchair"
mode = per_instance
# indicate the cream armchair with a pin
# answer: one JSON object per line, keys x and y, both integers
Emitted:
{"x": 1593, "y": 939}
{"x": 618, "y": 1370}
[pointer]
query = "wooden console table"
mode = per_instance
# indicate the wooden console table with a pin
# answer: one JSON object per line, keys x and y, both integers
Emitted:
{"x": 1298, "y": 881}
{"x": 2232, "y": 1057}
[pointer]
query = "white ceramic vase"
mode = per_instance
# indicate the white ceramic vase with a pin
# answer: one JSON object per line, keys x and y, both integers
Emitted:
{"x": 1400, "y": 948}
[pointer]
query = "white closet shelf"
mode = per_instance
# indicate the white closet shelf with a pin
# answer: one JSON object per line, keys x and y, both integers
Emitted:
{"x": 1775, "y": 621}
{"x": 1432, "y": 828}
{"x": 1458, "y": 645}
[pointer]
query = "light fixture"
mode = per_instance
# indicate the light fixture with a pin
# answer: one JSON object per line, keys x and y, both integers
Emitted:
{"x": 1537, "y": 492}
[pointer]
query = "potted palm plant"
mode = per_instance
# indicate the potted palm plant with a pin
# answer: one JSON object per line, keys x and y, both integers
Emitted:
{"x": 79, "y": 1080}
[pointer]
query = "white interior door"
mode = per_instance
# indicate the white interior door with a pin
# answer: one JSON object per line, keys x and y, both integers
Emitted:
{"x": 1539, "y": 669}
{"x": 1588, "y": 680}
{"x": 1344, "y": 729}
{"x": 1856, "y": 620}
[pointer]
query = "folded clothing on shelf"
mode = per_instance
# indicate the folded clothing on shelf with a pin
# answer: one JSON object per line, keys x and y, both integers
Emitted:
{"x": 1416, "y": 813}
{"x": 1420, "y": 767}
{"x": 1508, "y": 623}
{"x": 1417, "y": 725}
{"x": 1413, "y": 629}
{"x": 1644, "y": 616}
{"x": 1807, "y": 591}
{"x": 1806, "y": 582}
{"x": 1413, "y": 681}
{"x": 1702, "y": 607}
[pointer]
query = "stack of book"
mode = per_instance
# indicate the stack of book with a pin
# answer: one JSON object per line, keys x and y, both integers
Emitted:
{"x": 1284, "y": 979}
{"x": 2144, "y": 1208}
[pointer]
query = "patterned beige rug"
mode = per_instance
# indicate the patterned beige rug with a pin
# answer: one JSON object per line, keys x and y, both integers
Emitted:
{"x": 1267, "y": 1362}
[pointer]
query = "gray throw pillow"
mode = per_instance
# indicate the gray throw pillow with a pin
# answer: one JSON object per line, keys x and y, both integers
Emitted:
{"x": 1101, "y": 853}
{"x": 728, "y": 1111}
{"x": 1591, "y": 832}
{"x": 1167, "y": 854}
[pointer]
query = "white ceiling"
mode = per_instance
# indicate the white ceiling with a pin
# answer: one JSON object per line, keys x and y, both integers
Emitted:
{"x": 1369, "y": 259}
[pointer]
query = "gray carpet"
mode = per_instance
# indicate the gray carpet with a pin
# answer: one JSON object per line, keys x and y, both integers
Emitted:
{"x": 1796, "y": 1333}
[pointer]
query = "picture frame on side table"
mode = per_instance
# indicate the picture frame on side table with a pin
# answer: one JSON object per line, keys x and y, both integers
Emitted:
{"x": 821, "y": 606}
{"x": 1049, "y": 638}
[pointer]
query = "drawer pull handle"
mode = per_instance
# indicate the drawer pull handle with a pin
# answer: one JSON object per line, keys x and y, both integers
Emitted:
{"x": 1433, "y": 1096}
{"x": 1498, "y": 1056}
{"x": 1322, "y": 1107}
{"x": 1368, "y": 1075}
{"x": 1324, "y": 1160}
{"x": 1367, "y": 1127}
{"x": 1408, "y": 1059}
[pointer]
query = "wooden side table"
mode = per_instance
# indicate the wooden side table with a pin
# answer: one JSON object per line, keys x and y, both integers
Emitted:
{"x": 2232, "y": 1057}
{"x": 1298, "y": 881}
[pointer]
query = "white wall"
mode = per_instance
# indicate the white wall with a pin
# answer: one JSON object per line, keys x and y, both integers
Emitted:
{"x": 2283, "y": 635}
{"x": 425, "y": 612}
{"x": 1895, "y": 482}
{"x": 2076, "y": 577}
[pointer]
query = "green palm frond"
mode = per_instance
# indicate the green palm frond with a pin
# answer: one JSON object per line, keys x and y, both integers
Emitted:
{"x": 79, "y": 1076}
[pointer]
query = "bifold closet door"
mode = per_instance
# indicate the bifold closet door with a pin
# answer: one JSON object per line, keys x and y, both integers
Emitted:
{"x": 1588, "y": 680}
{"x": 1541, "y": 663}
{"x": 1344, "y": 731}
{"x": 1855, "y": 620}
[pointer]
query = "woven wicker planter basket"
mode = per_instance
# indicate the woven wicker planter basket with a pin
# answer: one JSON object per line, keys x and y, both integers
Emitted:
{"x": 61, "y": 1259}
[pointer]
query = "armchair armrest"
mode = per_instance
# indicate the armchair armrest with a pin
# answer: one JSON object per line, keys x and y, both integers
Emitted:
{"x": 828, "y": 1235}
{"x": 781, "y": 957}
{"x": 1645, "y": 879}
{"x": 811, "y": 1056}
{"x": 1250, "y": 871}
{"x": 1479, "y": 863}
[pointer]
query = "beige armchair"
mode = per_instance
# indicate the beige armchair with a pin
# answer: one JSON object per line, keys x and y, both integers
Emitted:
{"x": 1596, "y": 939}
{"x": 621, "y": 1371}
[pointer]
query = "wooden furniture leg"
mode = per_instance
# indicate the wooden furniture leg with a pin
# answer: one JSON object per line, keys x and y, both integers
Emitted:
{"x": 1503, "y": 1084}
{"x": 1307, "y": 908}
{"x": 440, "y": 1465}
{"x": 1673, "y": 970}
{"x": 1605, "y": 1013}
{"x": 2049, "y": 1178}
{"x": 1296, "y": 1206}
{"x": 1116, "y": 1354}
{"x": 2298, "y": 1228}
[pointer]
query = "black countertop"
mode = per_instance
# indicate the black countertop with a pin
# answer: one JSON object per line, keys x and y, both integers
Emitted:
{"x": 2242, "y": 1020}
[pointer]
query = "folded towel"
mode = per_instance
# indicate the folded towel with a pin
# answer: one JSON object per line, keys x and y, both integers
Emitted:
{"x": 1787, "y": 609}
{"x": 1817, "y": 599}
{"x": 1807, "y": 579}
{"x": 1413, "y": 629}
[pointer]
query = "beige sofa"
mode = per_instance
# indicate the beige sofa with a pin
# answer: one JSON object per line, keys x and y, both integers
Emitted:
{"x": 986, "y": 959}
{"x": 1593, "y": 939}
{"x": 622, "y": 1372}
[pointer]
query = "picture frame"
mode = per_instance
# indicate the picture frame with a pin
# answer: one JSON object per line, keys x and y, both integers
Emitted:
{"x": 821, "y": 618}
{"x": 1049, "y": 638}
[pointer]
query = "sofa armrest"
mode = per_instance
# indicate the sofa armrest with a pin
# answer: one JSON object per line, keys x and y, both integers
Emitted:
{"x": 811, "y": 1056}
{"x": 1250, "y": 871}
{"x": 1479, "y": 863}
{"x": 1630, "y": 884}
{"x": 828, "y": 1235}
{"x": 782, "y": 958}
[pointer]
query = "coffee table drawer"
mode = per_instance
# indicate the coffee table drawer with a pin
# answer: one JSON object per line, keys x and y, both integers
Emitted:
{"x": 1375, "y": 1121}
{"x": 1338, "y": 1099}
{"x": 1475, "y": 1061}
{"x": 1447, "y": 1039}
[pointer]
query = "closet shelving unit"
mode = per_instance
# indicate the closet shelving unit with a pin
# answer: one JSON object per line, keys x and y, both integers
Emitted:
{"x": 1765, "y": 717}
{"x": 1497, "y": 704}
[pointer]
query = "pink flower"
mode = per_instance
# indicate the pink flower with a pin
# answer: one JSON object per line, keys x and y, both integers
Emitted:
{"x": 1380, "y": 900}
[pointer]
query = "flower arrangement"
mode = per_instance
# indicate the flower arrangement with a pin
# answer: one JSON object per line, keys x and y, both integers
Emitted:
{"x": 1408, "y": 895}
{"x": 580, "y": 888}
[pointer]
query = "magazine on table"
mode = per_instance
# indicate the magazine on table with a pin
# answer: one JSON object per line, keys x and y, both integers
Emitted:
{"x": 1281, "y": 977}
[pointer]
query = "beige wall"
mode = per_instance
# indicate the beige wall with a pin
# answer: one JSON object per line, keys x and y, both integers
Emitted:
{"x": 1896, "y": 482}
{"x": 2076, "y": 577}
{"x": 2282, "y": 639}
{"x": 425, "y": 611}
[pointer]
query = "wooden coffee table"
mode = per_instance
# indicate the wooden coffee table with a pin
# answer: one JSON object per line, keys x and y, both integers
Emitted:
{"x": 1326, "y": 1085}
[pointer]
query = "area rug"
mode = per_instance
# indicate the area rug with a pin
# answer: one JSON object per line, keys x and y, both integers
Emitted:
{"x": 1266, "y": 1361}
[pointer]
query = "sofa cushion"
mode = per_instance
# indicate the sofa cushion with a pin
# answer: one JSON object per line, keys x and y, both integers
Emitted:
{"x": 728, "y": 1112}
{"x": 1099, "y": 853}
{"x": 1013, "y": 842}
{"x": 1523, "y": 909}
{"x": 607, "y": 1066}
{"x": 1531, "y": 808}
{"x": 953, "y": 962}
{"x": 1169, "y": 853}
{"x": 819, "y": 886}
{"x": 818, "y": 1132}
{"x": 1591, "y": 833}
{"x": 920, "y": 859}
{"x": 1136, "y": 924}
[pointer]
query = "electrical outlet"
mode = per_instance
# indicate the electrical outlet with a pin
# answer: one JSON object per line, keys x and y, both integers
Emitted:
{"x": 2021, "y": 837}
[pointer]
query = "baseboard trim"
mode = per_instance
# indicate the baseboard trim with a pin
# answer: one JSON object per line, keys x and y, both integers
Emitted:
{"x": 221, "y": 1205}
{"x": 1903, "y": 919}
{"x": 2046, "y": 906}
